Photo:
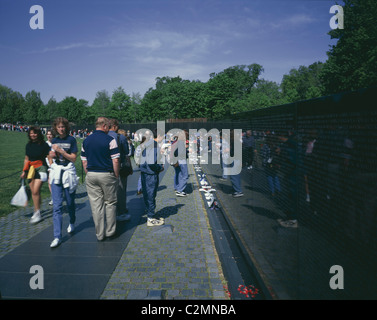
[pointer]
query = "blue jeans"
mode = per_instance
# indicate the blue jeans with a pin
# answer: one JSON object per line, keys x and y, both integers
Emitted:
{"x": 224, "y": 176}
{"x": 181, "y": 177}
{"x": 58, "y": 193}
{"x": 149, "y": 185}
{"x": 139, "y": 184}
{"x": 274, "y": 183}
{"x": 235, "y": 179}
{"x": 236, "y": 182}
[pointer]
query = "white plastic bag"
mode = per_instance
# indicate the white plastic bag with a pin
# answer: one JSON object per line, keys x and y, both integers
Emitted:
{"x": 20, "y": 199}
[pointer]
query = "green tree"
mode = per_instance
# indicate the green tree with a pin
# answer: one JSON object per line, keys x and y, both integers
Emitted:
{"x": 10, "y": 105}
{"x": 352, "y": 62}
{"x": 232, "y": 84}
{"x": 119, "y": 105}
{"x": 68, "y": 108}
{"x": 31, "y": 107}
{"x": 101, "y": 104}
{"x": 165, "y": 101}
{"x": 52, "y": 109}
{"x": 43, "y": 117}
{"x": 303, "y": 83}
{"x": 77, "y": 114}
{"x": 135, "y": 109}
{"x": 195, "y": 92}
{"x": 264, "y": 94}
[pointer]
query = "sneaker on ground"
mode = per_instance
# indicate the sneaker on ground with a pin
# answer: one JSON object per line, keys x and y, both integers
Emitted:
{"x": 124, "y": 217}
{"x": 237, "y": 194}
{"x": 180, "y": 194}
{"x": 250, "y": 167}
{"x": 289, "y": 223}
{"x": 71, "y": 228}
{"x": 36, "y": 217}
{"x": 152, "y": 222}
{"x": 51, "y": 203}
{"x": 55, "y": 243}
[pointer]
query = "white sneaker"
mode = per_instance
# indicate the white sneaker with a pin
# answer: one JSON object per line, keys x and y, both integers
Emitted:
{"x": 288, "y": 223}
{"x": 124, "y": 217}
{"x": 55, "y": 243}
{"x": 151, "y": 222}
{"x": 51, "y": 203}
{"x": 237, "y": 194}
{"x": 71, "y": 228}
{"x": 36, "y": 217}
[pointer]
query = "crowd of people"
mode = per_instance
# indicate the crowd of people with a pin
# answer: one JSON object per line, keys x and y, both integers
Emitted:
{"x": 105, "y": 156}
{"x": 317, "y": 162}
{"x": 14, "y": 127}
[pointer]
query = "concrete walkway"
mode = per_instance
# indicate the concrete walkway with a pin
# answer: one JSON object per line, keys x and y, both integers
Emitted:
{"x": 174, "y": 261}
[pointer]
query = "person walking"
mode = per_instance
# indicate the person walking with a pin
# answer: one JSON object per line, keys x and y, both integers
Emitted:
{"x": 248, "y": 144}
{"x": 63, "y": 177}
{"x": 270, "y": 164}
{"x": 288, "y": 156}
{"x": 149, "y": 171}
{"x": 35, "y": 168}
{"x": 100, "y": 158}
{"x": 179, "y": 149}
{"x": 122, "y": 211}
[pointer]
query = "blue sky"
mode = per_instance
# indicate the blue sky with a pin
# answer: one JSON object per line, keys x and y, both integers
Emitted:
{"x": 92, "y": 45}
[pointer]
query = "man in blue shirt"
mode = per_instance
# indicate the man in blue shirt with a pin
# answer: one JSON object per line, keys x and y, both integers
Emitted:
{"x": 122, "y": 186}
{"x": 100, "y": 159}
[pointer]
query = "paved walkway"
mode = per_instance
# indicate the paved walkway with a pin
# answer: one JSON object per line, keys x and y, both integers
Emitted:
{"x": 179, "y": 260}
{"x": 174, "y": 261}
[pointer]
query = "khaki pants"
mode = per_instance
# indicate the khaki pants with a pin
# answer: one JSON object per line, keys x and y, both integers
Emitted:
{"x": 102, "y": 193}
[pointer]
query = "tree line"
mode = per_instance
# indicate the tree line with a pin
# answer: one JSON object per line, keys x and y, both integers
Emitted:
{"x": 351, "y": 64}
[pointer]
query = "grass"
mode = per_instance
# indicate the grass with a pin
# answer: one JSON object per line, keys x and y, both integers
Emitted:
{"x": 12, "y": 155}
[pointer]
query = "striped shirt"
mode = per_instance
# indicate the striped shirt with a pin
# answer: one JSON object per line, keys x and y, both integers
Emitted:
{"x": 99, "y": 149}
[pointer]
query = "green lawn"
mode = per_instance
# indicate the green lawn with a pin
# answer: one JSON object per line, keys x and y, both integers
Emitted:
{"x": 12, "y": 155}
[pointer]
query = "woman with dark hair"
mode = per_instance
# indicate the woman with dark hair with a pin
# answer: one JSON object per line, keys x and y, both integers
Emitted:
{"x": 63, "y": 177}
{"x": 35, "y": 168}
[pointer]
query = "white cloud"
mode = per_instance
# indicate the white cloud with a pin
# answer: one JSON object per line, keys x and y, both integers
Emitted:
{"x": 151, "y": 44}
{"x": 72, "y": 46}
{"x": 299, "y": 19}
{"x": 294, "y": 21}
